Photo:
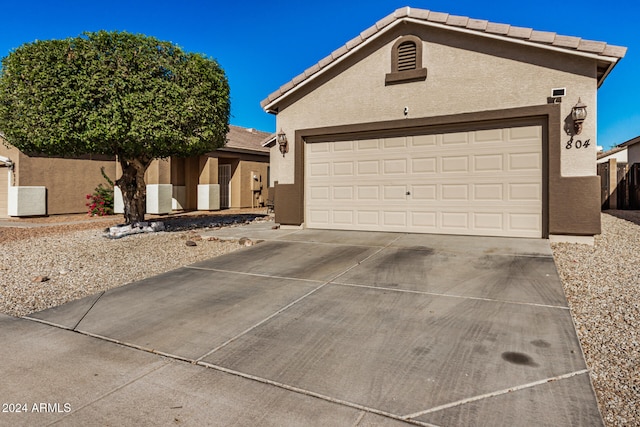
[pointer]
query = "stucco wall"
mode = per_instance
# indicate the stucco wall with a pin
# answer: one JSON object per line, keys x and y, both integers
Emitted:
{"x": 68, "y": 181}
{"x": 634, "y": 153}
{"x": 247, "y": 197}
{"x": 465, "y": 74}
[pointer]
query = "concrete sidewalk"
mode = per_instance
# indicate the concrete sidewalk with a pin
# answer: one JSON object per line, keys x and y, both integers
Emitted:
{"x": 315, "y": 328}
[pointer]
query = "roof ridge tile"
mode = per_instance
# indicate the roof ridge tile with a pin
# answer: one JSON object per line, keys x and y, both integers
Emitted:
{"x": 477, "y": 24}
{"x": 457, "y": 21}
{"x": 438, "y": 17}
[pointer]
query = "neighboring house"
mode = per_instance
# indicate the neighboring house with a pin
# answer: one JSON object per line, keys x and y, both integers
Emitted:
{"x": 32, "y": 185}
{"x": 433, "y": 123}
{"x": 627, "y": 152}
{"x": 234, "y": 176}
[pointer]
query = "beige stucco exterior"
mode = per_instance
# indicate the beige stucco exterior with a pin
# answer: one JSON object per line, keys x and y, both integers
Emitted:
{"x": 466, "y": 73}
{"x": 417, "y": 72}
{"x": 186, "y": 174}
{"x": 66, "y": 181}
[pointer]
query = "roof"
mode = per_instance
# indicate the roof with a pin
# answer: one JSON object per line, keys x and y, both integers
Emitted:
{"x": 607, "y": 153}
{"x": 246, "y": 140}
{"x": 606, "y": 54}
{"x": 632, "y": 141}
{"x": 619, "y": 147}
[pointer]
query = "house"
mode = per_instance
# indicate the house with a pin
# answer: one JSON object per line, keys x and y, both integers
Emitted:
{"x": 433, "y": 123}
{"x": 627, "y": 152}
{"x": 619, "y": 171}
{"x": 32, "y": 184}
{"x": 234, "y": 176}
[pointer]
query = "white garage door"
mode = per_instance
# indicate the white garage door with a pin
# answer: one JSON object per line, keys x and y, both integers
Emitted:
{"x": 484, "y": 182}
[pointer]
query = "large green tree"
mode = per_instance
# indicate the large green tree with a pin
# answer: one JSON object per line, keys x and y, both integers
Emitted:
{"x": 114, "y": 93}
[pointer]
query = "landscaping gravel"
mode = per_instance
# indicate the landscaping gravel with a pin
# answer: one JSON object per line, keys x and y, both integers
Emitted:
{"x": 48, "y": 266}
{"x": 602, "y": 285}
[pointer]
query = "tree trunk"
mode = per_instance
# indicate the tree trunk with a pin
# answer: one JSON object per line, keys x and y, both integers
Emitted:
{"x": 133, "y": 188}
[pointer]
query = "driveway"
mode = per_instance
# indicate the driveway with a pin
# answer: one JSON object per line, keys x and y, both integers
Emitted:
{"x": 315, "y": 328}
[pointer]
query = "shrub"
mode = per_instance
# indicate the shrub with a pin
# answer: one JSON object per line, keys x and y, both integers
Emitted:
{"x": 100, "y": 203}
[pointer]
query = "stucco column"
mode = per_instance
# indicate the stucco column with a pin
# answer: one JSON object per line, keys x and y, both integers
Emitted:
{"x": 208, "y": 187}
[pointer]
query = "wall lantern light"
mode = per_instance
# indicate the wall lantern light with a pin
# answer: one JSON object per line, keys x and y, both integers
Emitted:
{"x": 578, "y": 114}
{"x": 282, "y": 142}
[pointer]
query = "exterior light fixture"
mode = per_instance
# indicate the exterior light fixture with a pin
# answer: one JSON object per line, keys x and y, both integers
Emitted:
{"x": 578, "y": 114}
{"x": 281, "y": 137}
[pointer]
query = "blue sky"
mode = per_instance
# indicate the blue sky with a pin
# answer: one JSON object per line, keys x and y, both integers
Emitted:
{"x": 264, "y": 44}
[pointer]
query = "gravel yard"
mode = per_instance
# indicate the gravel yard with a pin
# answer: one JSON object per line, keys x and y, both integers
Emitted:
{"x": 46, "y": 266}
{"x": 602, "y": 283}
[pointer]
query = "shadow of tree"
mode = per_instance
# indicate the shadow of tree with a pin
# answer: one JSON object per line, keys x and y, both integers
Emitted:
{"x": 631, "y": 216}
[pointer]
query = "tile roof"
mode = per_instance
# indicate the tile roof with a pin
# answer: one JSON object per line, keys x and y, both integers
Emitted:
{"x": 520, "y": 34}
{"x": 246, "y": 139}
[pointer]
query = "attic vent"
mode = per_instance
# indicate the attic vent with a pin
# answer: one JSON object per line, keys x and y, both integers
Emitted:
{"x": 407, "y": 53}
{"x": 406, "y": 61}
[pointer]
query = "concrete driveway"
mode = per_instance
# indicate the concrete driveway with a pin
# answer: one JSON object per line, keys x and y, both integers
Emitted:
{"x": 314, "y": 328}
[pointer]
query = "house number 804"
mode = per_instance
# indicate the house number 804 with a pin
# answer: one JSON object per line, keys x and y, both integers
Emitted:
{"x": 576, "y": 144}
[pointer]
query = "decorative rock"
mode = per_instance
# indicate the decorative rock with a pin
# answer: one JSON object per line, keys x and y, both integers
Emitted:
{"x": 275, "y": 227}
{"x": 190, "y": 243}
{"x": 65, "y": 271}
{"x": 40, "y": 279}
{"x": 245, "y": 242}
{"x": 119, "y": 231}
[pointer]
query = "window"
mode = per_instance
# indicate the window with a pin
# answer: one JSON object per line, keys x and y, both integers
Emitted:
{"x": 406, "y": 61}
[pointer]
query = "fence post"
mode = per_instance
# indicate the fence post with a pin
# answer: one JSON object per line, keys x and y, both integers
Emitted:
{"x": 613, "y": 184}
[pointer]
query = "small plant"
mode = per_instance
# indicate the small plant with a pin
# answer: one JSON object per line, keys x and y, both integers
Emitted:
{"x": 100, "y": 203}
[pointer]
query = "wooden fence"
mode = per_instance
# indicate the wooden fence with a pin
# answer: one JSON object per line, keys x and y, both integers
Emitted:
{"x": 620, "y": 185}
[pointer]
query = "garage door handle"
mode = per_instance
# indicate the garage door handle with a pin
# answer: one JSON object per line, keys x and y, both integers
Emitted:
{"x": 408, "y": 193}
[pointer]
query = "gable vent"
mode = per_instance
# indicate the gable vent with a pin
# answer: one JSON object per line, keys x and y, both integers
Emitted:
{"x": 407, "y": 56}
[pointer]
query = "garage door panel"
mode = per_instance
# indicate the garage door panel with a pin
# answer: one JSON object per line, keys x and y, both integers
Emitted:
{"x": 455, "y": 220}
{"x": 451, "y": 164}
{"x": 344, "y": 217}
{"x": 455, "y": 138}
{"x": 394, "y": 219}
{"x": 488, "y": 163}
{"x": 530, "y": 133}
{"x": 366, "y": 218}
{"x": 343, "y": 146}
{"x": 458, "y": 192}
{"x": 489, "y": 136}
{"x": 524, "y": 162}
{"x": 424, "y": 165}
{"x": 489, "y": 221}
{"x": 368, "y": 167}
{"x": 392, "y": 143}
{"x": 394, "y": 166}
{"x": 394, "y": 193}
{"x": 486, "y": 182}
{"x": 424, "y": 140}
{"x": 319, "y": 169}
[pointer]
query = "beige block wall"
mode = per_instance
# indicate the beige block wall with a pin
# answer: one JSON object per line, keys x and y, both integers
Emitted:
{"x": 465, "y": 74}
{"x": 68, "y": 181}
